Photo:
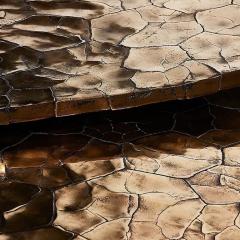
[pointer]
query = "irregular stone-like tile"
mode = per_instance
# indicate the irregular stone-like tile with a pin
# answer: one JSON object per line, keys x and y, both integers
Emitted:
{"x": 152, "y": 13}
{"x": 177, "y": 75}
{"x": 78, "y": 221}
{"x": 110, "y": 29}
{"x": 153, "y": 155}
{"x": 217, "y": 194}
{"x": 221, "y": 137}
{"x": 74, "y": 8}
{"x": 213, "y": 220}
{"x": 175, "y": 219}
{"x": 34, "y": 79}
{"x": 93, "y": 150}
{"x": 191, "y": 6}
{"x": 179, "y": 144}
{"x": 146, "y": 230}
{"x": 158, "y": 79}
{"x": 141, "y": 183}
{"x": 214, "y": 46}
{"x": 155, "y": 59}
{"x": 205, "y": 178}
{"x": 38, "y": 150}
{"x": 106, "y": 52}
{"x": 151, "y": 205}
{"x": 230, "y": 182}
{"x": 39, "y": 212}
{"x": 19, "y": 59}
{"x": 92, "y": 169}
{"x": 38, "y": 40}
{"x": 112, "y": 205}
{"x": 117, "y": 229}
{"x": 162, "y": 34}
{"x": 49, "y": 177}
{"x": 232, "y": 156}
{"x": 40, "y": 234}
{"x": 10, "y": 16}
{"x": 199, "y": 71}
{"x": 74, "y": 197}
{"x": 229, "y": 171}
{"x": 194, "y": 231}
{"x": 57, "y": 25}
{"x": 231, "y": 233}
{"x": 224, "y": 20}
{"x": 69, "y": 63}
{"x": 99, "y": 203}
{"x": 14, "y": 194}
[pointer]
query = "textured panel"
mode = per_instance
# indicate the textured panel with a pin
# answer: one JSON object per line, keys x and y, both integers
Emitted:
{"x": 167, "y": 171}
{"x": 62, "y": 58}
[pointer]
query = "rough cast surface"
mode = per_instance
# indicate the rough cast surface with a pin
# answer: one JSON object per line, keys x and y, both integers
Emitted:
{"x": 165, "y": 172}
{"x": 67, "y": 57}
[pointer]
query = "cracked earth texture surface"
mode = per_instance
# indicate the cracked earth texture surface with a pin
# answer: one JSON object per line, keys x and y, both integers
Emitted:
{"x": 166, "y": 171}
{"x": 62, "y": 58}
